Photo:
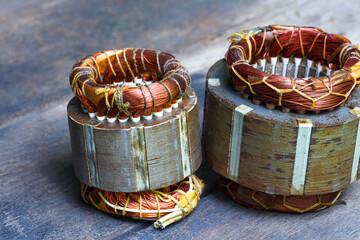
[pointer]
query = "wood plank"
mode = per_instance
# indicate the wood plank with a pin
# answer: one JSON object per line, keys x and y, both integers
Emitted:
{"x": 41, "y": 40}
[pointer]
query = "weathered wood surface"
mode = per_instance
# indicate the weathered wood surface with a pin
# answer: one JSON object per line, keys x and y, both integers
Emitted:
{"x": 268, "y": 145}
{"x": 40, "y": 41}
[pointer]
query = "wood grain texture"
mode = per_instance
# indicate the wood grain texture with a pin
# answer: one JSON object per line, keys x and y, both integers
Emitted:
{"x": 41, "y": 40}
{"x": 271, "y": 146}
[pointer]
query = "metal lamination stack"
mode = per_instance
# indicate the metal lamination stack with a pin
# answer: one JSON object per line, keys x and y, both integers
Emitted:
{"x": 268, "y": 154}
{"x": 133, "y": 157}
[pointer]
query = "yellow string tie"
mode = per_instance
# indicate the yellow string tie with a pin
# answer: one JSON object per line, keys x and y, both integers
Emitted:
{"x": 127, "y": 202}
{"x": 104, "y": 91}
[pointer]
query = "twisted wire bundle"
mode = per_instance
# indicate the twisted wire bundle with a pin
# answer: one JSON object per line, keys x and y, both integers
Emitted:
{"x": 128, "y": 82}
{"x": 306, "y": 46}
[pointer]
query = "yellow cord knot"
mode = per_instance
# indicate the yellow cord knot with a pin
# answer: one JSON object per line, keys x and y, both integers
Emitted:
{"x": 104, "y": 91}
{"x": 118, "y": 96}
{"x": 246, "y": 34}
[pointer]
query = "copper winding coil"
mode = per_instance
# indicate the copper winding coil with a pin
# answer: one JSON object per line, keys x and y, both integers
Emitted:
{"x": 128, "y": 82}
{"x": 166, "y": 205}
{"x": 260, "y": 200}
{"x": 252, "y": 50}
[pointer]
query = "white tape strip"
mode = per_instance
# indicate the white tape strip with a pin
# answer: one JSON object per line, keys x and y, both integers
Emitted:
{"x": 355, "y": 165}
{"x": 236, "y": 139}
{"x": 184, "y": 145}
{"x": 301, "y": 156}
{"x": 214, "y": 82}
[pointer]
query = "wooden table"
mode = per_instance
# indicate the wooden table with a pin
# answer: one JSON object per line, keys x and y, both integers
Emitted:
{"x": 39, "y": 42}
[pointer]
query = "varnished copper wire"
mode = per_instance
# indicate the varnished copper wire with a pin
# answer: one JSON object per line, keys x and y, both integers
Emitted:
{"x": 261, "y": 200}
{"x": 145, "y": 200}
{"x": 122, "y": 66}
{"x": 286, "y": 41}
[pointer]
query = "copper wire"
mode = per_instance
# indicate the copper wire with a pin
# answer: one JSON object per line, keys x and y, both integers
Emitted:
{"x": 287, "y": 41}
{"x": 261, "y": 200}
{"x": 110, "y": 68}
{"x": 136, "y": 204}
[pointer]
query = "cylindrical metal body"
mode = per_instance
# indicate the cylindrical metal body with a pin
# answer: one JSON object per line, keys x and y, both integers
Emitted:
{"x": 275, "y": 152}
{"x": 132, "y": 157}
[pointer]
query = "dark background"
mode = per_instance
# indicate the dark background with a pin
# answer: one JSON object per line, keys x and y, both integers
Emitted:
{"x": 41, "y": 40}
